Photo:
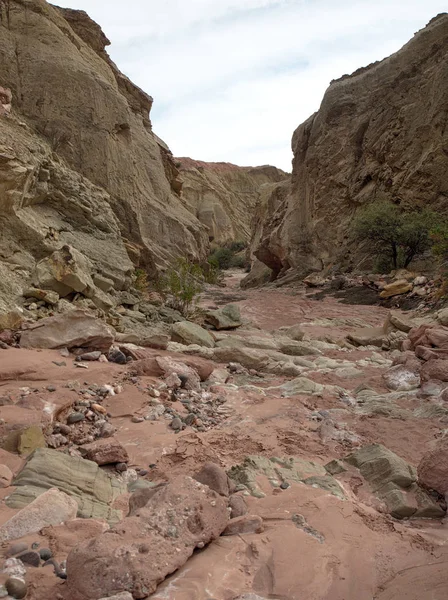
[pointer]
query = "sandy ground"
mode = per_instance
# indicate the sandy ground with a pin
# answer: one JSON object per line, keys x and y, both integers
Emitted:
{"x": 361, "y": 554}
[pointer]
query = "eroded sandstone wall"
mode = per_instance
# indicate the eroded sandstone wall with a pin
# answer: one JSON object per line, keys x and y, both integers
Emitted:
{"x": 380, "y": 133}
{"x": 224, "y": 197}
{"x": 79, "y": 159}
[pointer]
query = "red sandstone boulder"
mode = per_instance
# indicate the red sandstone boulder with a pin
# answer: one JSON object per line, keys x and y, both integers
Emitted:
{"x": 141, "y": 551}
{"x": 433, "y": 468}
{"x": 105, "y": 452}
{"x": 435, "y": 368}
{"x": 215, "y": 477}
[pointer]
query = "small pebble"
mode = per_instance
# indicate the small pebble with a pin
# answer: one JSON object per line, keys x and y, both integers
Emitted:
{"x": 51, "y": 388}
{"x": 121, "y": 467}
{"x": 284, "y": 485}
{"x": 16, "y": 587}
{"x": 137, "y": 419}
{"x": 45, "y": 553}
{"x": 176, "y": 424}
{"x": 59, "y": 363}
{"x": 143, "y": 472}
{"x": 80, "y": 365}
{"x": 190, "y": 419}
{"x": 75, "y": 417}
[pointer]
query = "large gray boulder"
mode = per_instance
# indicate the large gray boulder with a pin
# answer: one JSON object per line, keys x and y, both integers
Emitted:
{"x": 73, "y": 329}
{"x": 187, "y": 333}
{"x": 227, "y": 317}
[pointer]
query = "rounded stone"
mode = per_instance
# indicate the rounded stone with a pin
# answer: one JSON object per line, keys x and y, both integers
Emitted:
{"x": 117, "y": 356}
{"x": 45, "y": 553}
{"x": 121, "y": 467}
{"x": 190, "y": 419}
{"x": 176, "y": 424}
{"x": 30, "y": 558}
{"x": 16, "y": 587}
{"x": 75, "y": 417}
{"x": 284, "y": 485}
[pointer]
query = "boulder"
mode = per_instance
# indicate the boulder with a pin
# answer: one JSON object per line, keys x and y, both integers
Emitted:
{"x": 185, "y": 332}
{"x": 435, "y": 368}
{"x": 67, "y": 270}
{"x": 380, "y": 466}
{"x": 168, "y": 366}
{"x": 215, "y": 477}
{"x": 433, "y": 468}
{"x": 64, "y": 271}
{"x": 294, "y": 332}
{"x": 145, "y": 548}
{"x": 367, "y": 336}
{"x": 401, "y": 379}
{"x": 50, "y": 508}
{"x": 227, "y": 317}
{"x": 81, "y": 479}
{"x": 400, "y": 322}
{"x": 396, "y": 288}
{"x": 73, "y": 329}
{"x": 47, "y": 296}
{"x": 237, "y": 505}
{"x": 442, "y": 316}
{"x": 105, "y": 452}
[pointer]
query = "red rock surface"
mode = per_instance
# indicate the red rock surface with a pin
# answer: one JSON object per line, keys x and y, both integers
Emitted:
{"x": 141, "y": 551}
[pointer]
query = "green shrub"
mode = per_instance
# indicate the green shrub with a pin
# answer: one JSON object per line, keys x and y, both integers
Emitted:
{"x": 398, "y": 236}
{"x": 222, "y": 258}
{"x": 229, "y": 256}
{"x": 236, "y": 246}
{"x": 183, "y": 283}
{"x": 238, "y": 262}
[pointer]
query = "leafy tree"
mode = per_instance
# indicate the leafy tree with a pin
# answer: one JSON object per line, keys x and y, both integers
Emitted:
{"x": 400, "y": 235}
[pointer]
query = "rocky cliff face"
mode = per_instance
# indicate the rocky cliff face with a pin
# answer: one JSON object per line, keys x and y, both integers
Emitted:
{"x": 223, "y": 196}
{"x": 380, "y": 133}
{"x": 79, "y": 162}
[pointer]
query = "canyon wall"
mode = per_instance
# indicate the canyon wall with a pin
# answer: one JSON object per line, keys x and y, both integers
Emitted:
{"x": 223, "y": 196}
{"x": 380, "y": 133}
{"x": 79, "y": 162}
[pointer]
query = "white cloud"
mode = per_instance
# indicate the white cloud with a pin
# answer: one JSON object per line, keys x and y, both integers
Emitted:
{"x": 232, "y": 79}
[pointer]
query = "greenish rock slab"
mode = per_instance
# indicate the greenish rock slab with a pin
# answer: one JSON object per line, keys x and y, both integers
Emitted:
{"x": 335, "y": 467}
{"x": 327, "y": 483}
{"x": 282, "y": 470}
{"x": 92, "y": 488}
{"x": 380, "y": 466}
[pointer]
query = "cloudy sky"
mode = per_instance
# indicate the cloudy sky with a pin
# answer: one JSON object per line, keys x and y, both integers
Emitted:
{"x": 232, "y": 79}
